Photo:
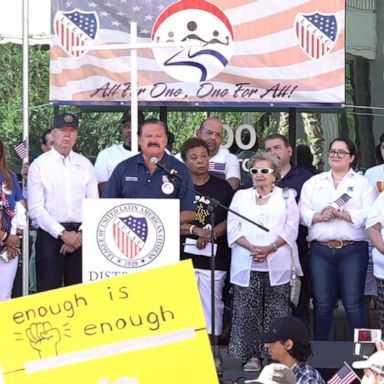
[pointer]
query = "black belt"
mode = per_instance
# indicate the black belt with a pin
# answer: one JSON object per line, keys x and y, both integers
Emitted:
{"x": 71, "y": 226}
{"x": 336, "y": 243}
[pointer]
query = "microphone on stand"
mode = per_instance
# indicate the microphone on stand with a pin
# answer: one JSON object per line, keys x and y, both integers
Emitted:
{"x": 170, "y": 172}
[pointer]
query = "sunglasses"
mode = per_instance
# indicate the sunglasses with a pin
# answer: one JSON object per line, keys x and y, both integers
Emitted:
{"x": 264, "y": 171}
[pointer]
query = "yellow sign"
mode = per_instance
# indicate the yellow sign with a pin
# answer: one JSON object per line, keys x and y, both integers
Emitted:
{"x": 143, "y": 328}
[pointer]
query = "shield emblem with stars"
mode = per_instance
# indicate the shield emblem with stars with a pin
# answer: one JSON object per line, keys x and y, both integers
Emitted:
{"x": 130, "y": 234}
{"x": 76, "y": 29}
{"x": 316, "y": 33}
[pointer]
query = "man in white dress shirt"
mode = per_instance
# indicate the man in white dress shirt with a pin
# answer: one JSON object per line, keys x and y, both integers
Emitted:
{"x": 222, "y": 163}
{"x": 108, "y": 158}
{"x": 58, "y": 182}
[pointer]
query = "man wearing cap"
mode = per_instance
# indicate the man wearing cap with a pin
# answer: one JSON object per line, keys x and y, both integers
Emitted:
{"x": 58, "y": 182}
{"x": 288, "y": 342}
{"x": 140, "y": 177}
{"x": 373, "y": 368}
{"x": 108, "y": 158}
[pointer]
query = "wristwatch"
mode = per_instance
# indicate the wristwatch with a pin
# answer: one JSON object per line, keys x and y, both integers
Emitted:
{"x": 61, "y": 234}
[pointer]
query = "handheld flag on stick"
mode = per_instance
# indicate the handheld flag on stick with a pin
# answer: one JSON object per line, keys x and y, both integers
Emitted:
{"x": 344, "y": 375}
{"x": 21, "y": 149}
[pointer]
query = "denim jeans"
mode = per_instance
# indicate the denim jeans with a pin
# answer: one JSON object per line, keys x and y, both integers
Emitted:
{"x": 338, "y": 273}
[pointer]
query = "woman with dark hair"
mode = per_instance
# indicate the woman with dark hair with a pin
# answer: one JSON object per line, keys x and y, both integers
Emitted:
{"x": 334, "y": 205}
{"x": 12, "y": 222}
{"x": 261, "y": 261}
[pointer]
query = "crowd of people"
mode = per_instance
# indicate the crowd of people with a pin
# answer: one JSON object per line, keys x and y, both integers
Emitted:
{"x": 327, "y": 227}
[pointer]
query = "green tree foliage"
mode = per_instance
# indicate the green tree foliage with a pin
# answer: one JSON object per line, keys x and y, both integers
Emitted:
{"x": 11, "y": 88}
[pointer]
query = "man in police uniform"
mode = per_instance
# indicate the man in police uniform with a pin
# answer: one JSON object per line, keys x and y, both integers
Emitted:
{"x": 58, "y": 182}
{"x": 140, "y": 177}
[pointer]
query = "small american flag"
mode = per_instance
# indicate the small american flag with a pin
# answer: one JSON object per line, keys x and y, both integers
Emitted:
{"x": 22, "y": 149}
{"x": 344, "y": 375}
{"x": 218, "y": 167}
{"x": 130, "y": 234}
{"x": 342, "y": 200}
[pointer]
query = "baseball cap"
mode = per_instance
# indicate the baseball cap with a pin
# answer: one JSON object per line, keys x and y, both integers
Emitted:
{"x": 275, "y": 374}
{"x": 65, "y": 119}
{"x": 127, "y": 116}
{"x": 375, "y": 363}
{"x": 286, "y": 328}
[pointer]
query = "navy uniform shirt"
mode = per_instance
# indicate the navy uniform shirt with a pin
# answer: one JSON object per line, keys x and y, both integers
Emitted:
{"x": 295, "y": 179}
{"x": 131, "y": 179}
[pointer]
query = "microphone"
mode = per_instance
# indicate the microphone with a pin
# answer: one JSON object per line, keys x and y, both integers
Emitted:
{"x": 170, "y": 172}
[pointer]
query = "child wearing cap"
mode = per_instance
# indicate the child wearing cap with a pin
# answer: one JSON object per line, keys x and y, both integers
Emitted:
{"x": 288, "y": 342}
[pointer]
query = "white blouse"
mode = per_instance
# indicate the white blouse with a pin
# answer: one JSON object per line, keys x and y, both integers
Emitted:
{"x": 319, "y": 192}
{"x": 281, "y": 217}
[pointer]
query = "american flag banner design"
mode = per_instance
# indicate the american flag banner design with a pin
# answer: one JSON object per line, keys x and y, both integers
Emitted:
{"x": 21, "y": 149}
{"x": 344, "y": 375}
{"x": 130, "y": 234}
{"x": 248, "y": 52}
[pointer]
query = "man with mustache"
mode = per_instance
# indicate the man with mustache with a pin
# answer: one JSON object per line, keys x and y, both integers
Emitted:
{"x": 139, "y": 177}
{"x": 109, "y": 157}
{"x": 58, "y": 182}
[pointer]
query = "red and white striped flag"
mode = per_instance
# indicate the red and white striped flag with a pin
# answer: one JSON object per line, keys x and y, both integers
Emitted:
{"x": 344, "y": 375}
{"x": 22, "y": 149}
{"x": 265, "y": 52}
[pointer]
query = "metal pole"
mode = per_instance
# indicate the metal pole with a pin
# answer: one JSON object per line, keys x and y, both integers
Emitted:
{"x": 292, "y": 120}
{"x": 134, "y": 103}
{"x": 25, "y": 251}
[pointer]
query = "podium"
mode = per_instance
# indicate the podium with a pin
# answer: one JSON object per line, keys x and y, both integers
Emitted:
{"x": 122, "y": 236}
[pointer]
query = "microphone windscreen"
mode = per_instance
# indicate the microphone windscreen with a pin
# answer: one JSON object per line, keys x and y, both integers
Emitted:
{"x": 154, "y": 160}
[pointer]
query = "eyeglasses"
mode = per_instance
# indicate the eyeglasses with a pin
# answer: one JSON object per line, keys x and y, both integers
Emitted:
{"x": 339, "y": 154}
{"x": 264, "y": 171}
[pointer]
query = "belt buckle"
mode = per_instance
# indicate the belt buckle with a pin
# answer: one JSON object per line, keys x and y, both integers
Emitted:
{"x": 339, "y": 246}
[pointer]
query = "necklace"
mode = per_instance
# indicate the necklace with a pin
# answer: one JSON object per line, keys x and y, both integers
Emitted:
{"x": 267, "y": 196}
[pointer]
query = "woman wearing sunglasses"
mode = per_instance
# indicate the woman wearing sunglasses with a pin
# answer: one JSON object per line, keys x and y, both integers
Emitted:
{"x": 261, "y": 260}
{"x": 333, "y": 205}
{"x": 12, "y": 220}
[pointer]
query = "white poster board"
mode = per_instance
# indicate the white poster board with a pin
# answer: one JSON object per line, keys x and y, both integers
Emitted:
{"x": 123, "y": 236}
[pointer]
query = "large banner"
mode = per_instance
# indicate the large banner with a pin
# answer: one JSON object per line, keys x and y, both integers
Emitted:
{"x": 123, "y": 236}
{"x": 225, "y": 52}
{"x": 144, "y": 328}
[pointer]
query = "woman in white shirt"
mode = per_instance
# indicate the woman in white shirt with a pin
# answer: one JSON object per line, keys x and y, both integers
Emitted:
{"x": 333, "y": 205}
{"x": 375, "y": 231}
{"x": 261, "y": 260}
